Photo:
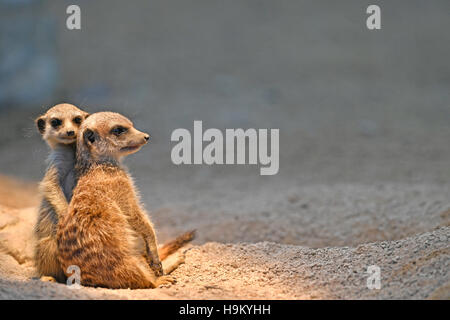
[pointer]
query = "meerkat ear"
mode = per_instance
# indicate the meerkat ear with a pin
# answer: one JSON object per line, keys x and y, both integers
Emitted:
{"x": 86, "y": 115}
{"x": 40, "y": 124}
{"x": 89, "y": 136}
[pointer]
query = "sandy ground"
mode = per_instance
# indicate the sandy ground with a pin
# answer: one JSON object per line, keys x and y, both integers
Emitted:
{"x": 414, "y": 262}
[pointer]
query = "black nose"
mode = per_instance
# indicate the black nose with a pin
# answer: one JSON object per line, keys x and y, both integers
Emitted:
{"x": 70, "y": 133}
{"x": 147, "y": 137}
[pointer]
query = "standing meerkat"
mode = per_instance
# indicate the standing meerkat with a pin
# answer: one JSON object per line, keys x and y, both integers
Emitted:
{"x": 59, "y": 128}
{"x": 105, "y": 232}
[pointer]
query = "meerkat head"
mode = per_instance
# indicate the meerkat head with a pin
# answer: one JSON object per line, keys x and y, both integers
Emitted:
{"x": 60, "y": 124}
{"x": 109, "y": 136}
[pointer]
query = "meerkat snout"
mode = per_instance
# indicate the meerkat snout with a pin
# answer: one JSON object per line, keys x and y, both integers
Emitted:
{"x": 144, "y": 137}
{"x": 132, "y": 141}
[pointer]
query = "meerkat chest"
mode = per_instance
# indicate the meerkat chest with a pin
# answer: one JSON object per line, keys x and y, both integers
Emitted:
{"x": 68, "y": 184}
{"x": 63, "y": 159}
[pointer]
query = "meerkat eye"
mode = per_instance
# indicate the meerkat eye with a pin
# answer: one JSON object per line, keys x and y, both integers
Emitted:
{"x": 77, "y": 120}
{"x": 118, "y": 130}
{"x": 55, "y": 123}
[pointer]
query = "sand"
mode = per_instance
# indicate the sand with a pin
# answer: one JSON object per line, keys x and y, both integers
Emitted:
{"x": 326, "y": 260}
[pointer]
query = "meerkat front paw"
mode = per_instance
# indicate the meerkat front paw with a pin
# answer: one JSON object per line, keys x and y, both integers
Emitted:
{"x": 157, "y": 268}
{"x": 165, "y": 280}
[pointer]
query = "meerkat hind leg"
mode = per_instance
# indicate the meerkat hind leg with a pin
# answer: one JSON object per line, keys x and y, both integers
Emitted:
{"x": 48, "y": 279}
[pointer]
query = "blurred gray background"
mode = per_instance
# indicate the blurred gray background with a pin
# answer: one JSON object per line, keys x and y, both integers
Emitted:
{"x": 364, "y": 120}
{"x": 353, "y": 106}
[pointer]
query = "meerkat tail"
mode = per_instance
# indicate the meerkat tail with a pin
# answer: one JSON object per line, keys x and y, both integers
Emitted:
{"x": 170, "y": 247}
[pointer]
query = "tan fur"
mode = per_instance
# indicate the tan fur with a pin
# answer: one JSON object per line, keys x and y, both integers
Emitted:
{"x": 54, "y": 203}
{"x": 51, "y": 189}
{"x": 172, "y": 246}
{"x": 59, "y": 135}
{"x": 106, "y": 232}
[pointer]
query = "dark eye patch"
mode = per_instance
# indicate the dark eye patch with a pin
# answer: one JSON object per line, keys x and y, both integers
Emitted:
{"x": 77, "y": 120}
{"x": 41, "y": 125}
{"x": 55, "y": 122}
{"x": 118, "y": 130}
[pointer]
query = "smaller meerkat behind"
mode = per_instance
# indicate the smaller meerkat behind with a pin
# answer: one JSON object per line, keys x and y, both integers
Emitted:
{"x": 106, "y": 232}
{"x": 59, "y": 128}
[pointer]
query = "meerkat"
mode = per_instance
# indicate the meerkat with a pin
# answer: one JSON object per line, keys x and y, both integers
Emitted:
{"x": 106, "y": 232}
{"x": 59, "y": 127}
